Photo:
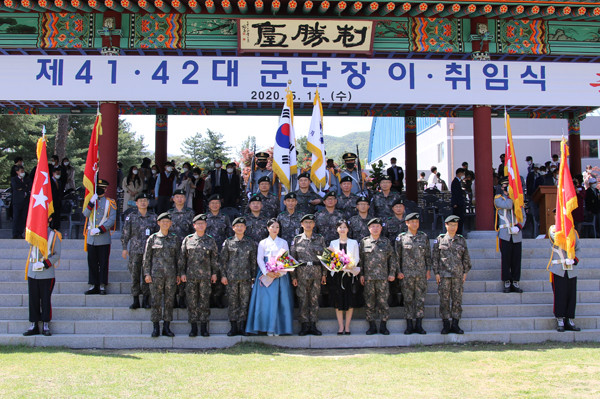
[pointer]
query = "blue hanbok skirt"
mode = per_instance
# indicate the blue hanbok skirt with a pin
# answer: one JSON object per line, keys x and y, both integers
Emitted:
{"x": 271, "y": 308}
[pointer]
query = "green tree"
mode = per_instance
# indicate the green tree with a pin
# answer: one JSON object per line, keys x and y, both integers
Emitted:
{"x": 203, "y": 149}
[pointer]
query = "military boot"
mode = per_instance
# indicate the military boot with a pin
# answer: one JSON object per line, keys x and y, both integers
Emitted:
{"x": 383, "y": 328}
{"x": 314, "y": 330}
{"x": 194, "y": 332}
{"x": 560, "y": 324}
{"x": 516, "y": 288}
{"x": 446, "y": 327}
{"x": 234, "y": 329}
{"x": 33, "y": 330}
{"x": 507, "y": 286}
{"x": 372, "y": 328}
{"x": 419, "y": 327}
{"x": 136, "y": 303}
{"x": 204, "y": 329}
{"x": 156, "y": 330}
{"x": 46, "y": 329}
{"x": 146, "y": 302}
{"x": 455, "y": 328}
{"x": 166, "y": 330}
{"x": 409, "y": 327}
{"x": 304, "y": 330}
{"x": 242, "y": 328}
{"x": 570, "y": 325}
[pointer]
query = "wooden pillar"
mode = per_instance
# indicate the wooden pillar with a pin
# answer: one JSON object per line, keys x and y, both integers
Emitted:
{"x": 484, "y": 185}
{"x": 160, "y": 138}
{"x": 108, "y": 146}
{"x": 574, "y": 146}
{"x": 410, "y": 154}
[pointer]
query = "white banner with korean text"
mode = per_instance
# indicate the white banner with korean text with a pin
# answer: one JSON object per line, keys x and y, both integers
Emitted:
{"x": 340, "y": 80}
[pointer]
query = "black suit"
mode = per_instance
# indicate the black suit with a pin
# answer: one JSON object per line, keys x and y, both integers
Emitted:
{"x": 20, "y": 202}
{"x": 216, "y": 184}
{"x": 458, "y": 202}
{"x": 230, "y": 189}
{"x": 397, "y": 182}
{"x": 57, "y": 194}
{"x": 592, "y": 202}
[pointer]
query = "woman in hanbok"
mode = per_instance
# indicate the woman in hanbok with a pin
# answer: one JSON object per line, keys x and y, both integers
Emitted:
{"x": 344, "y": 285}
{"x": 271, "y": 304}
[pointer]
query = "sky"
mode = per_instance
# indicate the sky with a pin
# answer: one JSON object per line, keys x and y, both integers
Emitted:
{"x": 237, "y": 128}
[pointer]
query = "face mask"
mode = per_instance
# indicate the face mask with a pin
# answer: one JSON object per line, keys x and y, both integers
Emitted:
{"x": 349, "y": 165}
{"x": 57, "y": 177}
{"x": 229, "y": 170}
{"x": 393, "y": 165}
{"x": 528, "y": 162}
{"x": 22, "y": 174}
{"x": 100, "y": 191}
{"x": 262, "y": 164}
{"x": 185, "y": 170}
{"x": 169, "y": 168}
{"x": 153, "y": 172}
{"x": 135, "y": 172}
{"x": 218, "y": 165}
{"x": 66, "y": 163}
{"x": 196, "y": 176}
{"x": 462, "y": 177}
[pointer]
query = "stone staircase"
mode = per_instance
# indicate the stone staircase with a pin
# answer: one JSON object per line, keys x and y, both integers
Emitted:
{"x": 488, "y": 314}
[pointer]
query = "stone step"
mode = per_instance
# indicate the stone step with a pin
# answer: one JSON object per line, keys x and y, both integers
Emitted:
{"x": 431, "y": 311}
{"x": 358, "y": 326}
{"x": 528, "y": 274}
{"x": 432, "y": 298}
{"x": 215, "y": 341}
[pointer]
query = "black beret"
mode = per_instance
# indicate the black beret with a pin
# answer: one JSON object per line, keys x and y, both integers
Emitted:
{"x": 362, "y": 199}
{"x": 290, "y": 196}
{"x": 304, "y": 174}
{"x": 201, "y": 216}
{"x": 214, "y": 197}
{"x": 350, "y": 156}
{"x": 164, "y": 215}
{"x": 451, "y": 219}
{"x": 103, "y": 183}
{"x": 330, "y": 194}
{"x": 412, "y": 216}
{"x": 386, "y": 177}
{"x": 308, "y": 216}
{"x": 255, "y": 198}
{"x": 142, "y": 196}
{"x": 345, "y": 179}
{"x": 264, "y": 178}
{"x": 241, "y": 220}
{"x": 178, "y": 192}
{"x": 374, "y": 220}
{"x": 399, "y": 201}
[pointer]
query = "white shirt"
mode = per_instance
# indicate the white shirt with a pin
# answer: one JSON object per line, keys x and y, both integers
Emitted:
{"x": 433, "y": 181}
{"x": 269, "y": 247}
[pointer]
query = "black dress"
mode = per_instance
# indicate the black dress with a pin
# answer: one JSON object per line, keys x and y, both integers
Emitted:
{"x": 344, "y": 287}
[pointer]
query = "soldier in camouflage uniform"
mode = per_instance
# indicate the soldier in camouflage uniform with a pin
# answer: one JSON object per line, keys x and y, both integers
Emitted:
{"x": 160, "y": 271}
{"x": 238, "y": 265}
{"x": 395, "y": 224}
{"x": 289, "y": 220}
{"x": 307, "y": 198}
{"x": 358, "y": 223}
{"x": 346, "y": 201}
{"x": 414, "y": 257}
{"x": 137, "y": 228}
{"x": 382, "y": 200}
{"x": 182, "y": 217}
{"x": 198, "y": 267}
{"x": 270, "y": 202}
{"x": 451, "y": 263}
{"x": 308, "y": 277}
{"x": 218, "y": 226}
{"x": 378, "y": 266}
{"x": 326, "y": 219}
{"x": 256, "y": 221}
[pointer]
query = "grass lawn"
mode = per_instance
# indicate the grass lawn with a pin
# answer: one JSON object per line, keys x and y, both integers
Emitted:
{"x": 258, "y": 371}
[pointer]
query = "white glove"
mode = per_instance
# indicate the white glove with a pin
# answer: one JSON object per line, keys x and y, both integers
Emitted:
{"x": 569, "y": 262}
{"x": 514, "y": 230}
{"x": 94, "y": 198}
{"x": 95, "y": 231}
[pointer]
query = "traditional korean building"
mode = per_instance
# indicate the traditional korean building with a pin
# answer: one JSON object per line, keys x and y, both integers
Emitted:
{"x": 442, "y": 59}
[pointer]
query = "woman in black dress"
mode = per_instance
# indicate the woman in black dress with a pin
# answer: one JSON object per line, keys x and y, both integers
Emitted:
{"x": 343, "y": 284}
